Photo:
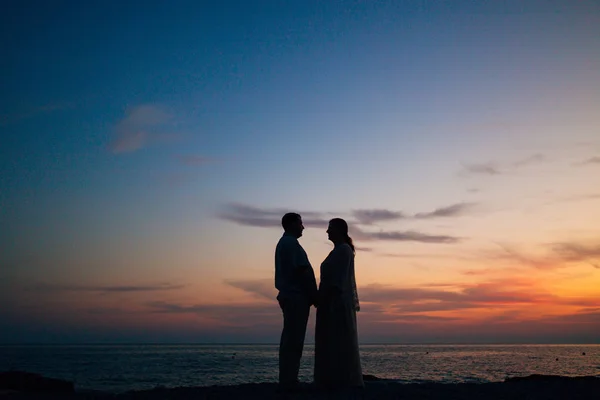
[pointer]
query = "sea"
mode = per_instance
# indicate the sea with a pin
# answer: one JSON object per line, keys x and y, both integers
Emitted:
{"x": 121, "y": 368}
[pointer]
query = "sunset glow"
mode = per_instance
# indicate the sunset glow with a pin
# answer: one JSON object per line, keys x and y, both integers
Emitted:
{"x": 147, "y": 157}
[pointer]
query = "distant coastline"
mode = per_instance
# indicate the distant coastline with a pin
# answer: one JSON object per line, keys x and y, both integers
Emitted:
{"x": 308, "y": 343}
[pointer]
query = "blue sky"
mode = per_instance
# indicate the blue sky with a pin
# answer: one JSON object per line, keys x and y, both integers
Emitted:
{"x": 140, "y": 142}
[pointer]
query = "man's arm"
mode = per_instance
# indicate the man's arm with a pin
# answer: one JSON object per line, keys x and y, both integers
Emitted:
{"x": 290, "y": 257}
{"x": 299, "y": 261}
{"x": 306, "y": 274}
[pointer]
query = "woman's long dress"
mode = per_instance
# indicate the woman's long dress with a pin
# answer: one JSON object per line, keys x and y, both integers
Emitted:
{"x": 337, "y": 359}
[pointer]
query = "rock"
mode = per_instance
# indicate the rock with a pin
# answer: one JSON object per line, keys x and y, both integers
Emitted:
{"x": 29, "y": 382}
{"x": 370, "y": 378}
{"x": 573, "y": 389}
{"x": 551, "y": 378}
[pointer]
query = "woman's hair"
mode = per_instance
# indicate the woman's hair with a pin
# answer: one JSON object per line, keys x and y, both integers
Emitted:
{"x": 342, "y": 226}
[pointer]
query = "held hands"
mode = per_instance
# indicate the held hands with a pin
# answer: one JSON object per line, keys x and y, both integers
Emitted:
{"x": 326, "y": 294}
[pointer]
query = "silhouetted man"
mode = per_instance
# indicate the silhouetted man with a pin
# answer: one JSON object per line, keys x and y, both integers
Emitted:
{"x": 295, "y": 280}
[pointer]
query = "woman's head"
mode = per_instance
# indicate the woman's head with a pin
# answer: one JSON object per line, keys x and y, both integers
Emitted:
{"x": 337, "y": 232}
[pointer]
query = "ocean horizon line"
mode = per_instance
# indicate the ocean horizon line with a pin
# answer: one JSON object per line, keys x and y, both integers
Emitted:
{"x": 307, "y": 343}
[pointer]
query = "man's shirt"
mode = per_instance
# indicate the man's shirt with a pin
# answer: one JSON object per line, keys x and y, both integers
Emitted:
{"x": 294, "y": 276}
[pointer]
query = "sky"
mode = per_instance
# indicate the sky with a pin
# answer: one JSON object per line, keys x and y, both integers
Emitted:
{"x": 149, "y": 149}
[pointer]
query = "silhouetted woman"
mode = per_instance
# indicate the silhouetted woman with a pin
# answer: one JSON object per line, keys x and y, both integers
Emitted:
{"x": 337, "y": 360}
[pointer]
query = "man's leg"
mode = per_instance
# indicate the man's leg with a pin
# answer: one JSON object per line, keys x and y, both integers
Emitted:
{"x": 295, "y": 319}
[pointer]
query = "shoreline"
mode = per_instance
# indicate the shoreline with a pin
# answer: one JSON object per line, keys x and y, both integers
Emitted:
{"x": 23, "y": 385}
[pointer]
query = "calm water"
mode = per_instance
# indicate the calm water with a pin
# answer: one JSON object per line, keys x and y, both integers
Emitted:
{"x": 119, "y": 368}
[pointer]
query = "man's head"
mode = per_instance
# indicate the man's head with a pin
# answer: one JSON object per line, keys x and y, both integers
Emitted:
{"x": 292, "y": 224}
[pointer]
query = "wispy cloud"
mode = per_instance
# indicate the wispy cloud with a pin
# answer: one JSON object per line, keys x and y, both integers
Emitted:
{"x": 574, "y": 252}
{"x": 476, "y": 272}
{"x": 262, "y": 288}
{"x": 109, "y": 311}
{"x": 481, "y": 169}
{"x": 242, "y": 214}
{"x": 108, "y": 289}
{"x": 453, "y": 210}
{"x": 560, "y": 255}
{"x": 269, "y": 218}
{"x": 581, "y": 197}
{"x": 508, "y": 252}
{"x": 368, "y": 217}
{"x": 128, "y": 142}
{"x": 491, "y": 168}
{"x": 533, "y": 159}
{"x": 505, "y": 320}
{"x": 494, "y": 294}
{"x": 134, "y": 130}
{"x": 591, "y": 160}
{"x": 365, "y": 249}
{"x": 402, "y": 236}
{"x": 385, "y": 306}
{"x": 265, "y": 315}
{"x": 432, "y": 256}
{"x": 503, "y": 309}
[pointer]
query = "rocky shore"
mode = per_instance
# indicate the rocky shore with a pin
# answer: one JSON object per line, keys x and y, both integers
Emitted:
{"x": 22, "y": 385}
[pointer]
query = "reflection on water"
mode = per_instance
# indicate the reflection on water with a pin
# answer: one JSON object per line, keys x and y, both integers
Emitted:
{"x": 127, "y": 367}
